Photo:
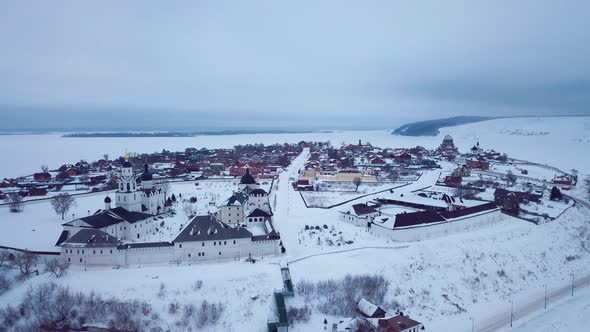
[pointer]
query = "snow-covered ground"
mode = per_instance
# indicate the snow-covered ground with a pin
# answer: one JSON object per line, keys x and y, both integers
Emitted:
{"x": 441, "y": 282}
{"x": 245, "y": 289}
{"x": 334, "y": 196}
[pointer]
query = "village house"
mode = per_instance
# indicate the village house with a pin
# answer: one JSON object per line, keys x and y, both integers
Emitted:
{"x": 475, "y": 163}
{"x": 373, "y": 318}
{"x": 564, "y": 182}
{"x": 453, "y": 181}
{"x": 45, "y": 176}
{"x": 370, "y": 310}
{"x": 399, "y": 323}
{"x": 359, "y": 214}
{"x": 462, "y": 171}
{"x": 522, "y": 196}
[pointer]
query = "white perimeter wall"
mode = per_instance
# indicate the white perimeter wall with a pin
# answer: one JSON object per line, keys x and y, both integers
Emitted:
{"x": 427, "y": 232}
{"x": 198, "y": 250}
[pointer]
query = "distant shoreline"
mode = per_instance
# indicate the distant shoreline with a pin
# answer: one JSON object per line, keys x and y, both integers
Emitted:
{"x": 190, "y": 134}
{"x": 431, "y": 127}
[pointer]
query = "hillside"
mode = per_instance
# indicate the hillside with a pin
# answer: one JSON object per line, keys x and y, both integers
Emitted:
{"x": 431, "y": 127}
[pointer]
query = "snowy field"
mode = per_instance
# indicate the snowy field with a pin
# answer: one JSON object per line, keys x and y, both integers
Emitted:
{"x": 441, "y": 282}
{"x": 333, "y": 196}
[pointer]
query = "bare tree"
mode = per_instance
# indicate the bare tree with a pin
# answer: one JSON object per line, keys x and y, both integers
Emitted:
{"x": 25, "y": 262}
{"x": 393, "y": 175}
{"x": 62, "y": 203}
{"x": 106, "y": 156}
{"x": 15, "y": 202}
{"x": 165, "y": 187}
{"x": 464, "y": 192}
{"x": 357, "y": 182}
{"x": 57, "y": 267}
{"x": 190, "y": 210}
{"x": 4, "y": 283}
{"x": 510, "y": 178}
{"x": 4, "y": 258}
{"x": 44, "y": 168}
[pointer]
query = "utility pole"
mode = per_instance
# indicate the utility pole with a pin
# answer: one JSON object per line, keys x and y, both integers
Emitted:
{"x": 472, "y": 324}
{"x": 545, "y": 296}
{"x": 573, "y": 279}
{"x": 511, "y": 311}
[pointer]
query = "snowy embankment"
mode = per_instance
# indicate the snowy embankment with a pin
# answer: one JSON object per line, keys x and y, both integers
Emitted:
{"x": 443, "y": 282}
{"x": 244, "y": 289}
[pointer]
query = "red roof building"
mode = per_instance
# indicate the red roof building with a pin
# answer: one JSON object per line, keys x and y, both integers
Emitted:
{"x": 45, "y": 176}
{"x": 399, "y": 324}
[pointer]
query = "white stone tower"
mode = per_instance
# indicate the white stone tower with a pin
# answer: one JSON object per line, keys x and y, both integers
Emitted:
{"x": 128, "y": 197}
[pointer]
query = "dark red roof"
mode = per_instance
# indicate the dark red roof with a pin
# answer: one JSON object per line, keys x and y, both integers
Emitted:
{"x": 362, "y": 209}
{"x": 397, "y": 323}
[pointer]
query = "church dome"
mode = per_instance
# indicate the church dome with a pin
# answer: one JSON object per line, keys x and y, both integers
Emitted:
{"x": 146, "y": 175}
{"x": 107, "y": 199}
{"x": 448, "y": 138}
{"x": 127, "y": 163}
{"x": 247, "y": 178}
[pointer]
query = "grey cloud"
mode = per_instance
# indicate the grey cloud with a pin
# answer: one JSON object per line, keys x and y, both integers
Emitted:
{"x": 389, "y": 59}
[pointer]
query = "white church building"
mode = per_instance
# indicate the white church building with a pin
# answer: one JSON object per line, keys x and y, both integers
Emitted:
{"x": 104, "y": 238}
{"x": 147, "y": 199}
{"x": 249, "y": 206}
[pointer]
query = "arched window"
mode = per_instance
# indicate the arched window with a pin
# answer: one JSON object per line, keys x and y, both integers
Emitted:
{"x": 128, "y": 187}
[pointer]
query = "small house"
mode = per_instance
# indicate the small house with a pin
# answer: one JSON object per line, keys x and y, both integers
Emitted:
{"x": 360, "y": 214}
{"x": 370, "y": 310}
{"x": 453, "y": 181}
{"x": 399, "y": 323}
{"x": 44, "y": 176}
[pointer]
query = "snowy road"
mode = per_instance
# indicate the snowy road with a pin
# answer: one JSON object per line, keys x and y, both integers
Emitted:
{"x": 502, "y": 320}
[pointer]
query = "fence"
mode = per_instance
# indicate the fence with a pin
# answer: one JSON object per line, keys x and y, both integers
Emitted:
{"x": 350, "y": 200}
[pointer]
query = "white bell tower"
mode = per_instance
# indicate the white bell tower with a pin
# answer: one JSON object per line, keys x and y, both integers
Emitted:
{"x": 127, "y": 195}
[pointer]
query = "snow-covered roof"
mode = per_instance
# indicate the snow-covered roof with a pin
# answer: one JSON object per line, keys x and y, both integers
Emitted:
{"x": 367, "y": 308}
{"x": 209, "y": 228}
{"x": 92, "y": 238}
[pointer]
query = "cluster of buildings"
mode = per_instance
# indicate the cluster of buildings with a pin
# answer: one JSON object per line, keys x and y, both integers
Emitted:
{"x": 360, "y": 161}
{"x": 263, "y": 162}
{"x": 420, "y": 216}
{"x": 116, "y": 235}
{"x": 80, "y": 176}
{"x": 371, "y": 317}
{"x": 476, "y": 159}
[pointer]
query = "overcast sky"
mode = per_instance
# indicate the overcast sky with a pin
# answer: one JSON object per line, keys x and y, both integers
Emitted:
{"x": 273, "y": 63}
